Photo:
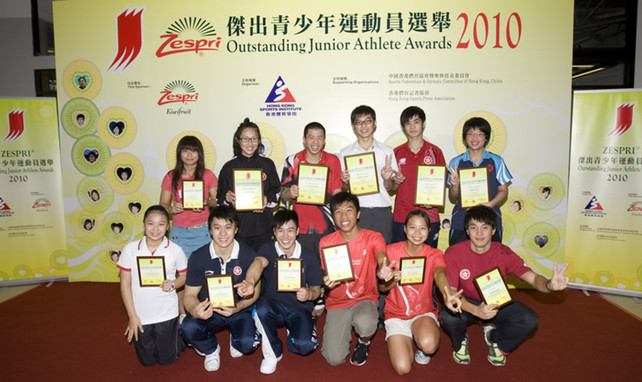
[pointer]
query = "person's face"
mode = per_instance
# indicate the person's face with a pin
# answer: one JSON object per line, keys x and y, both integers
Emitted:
{"x": 545, "y": 194}
{"x": 124, "y": 176}
{"x": 116, "y": 130}
{"x": 314, "y": 141}
{"x": 364, "y": 126}
{"x": 81, "y": 121}
{"x": 416, "y": 230}
{"x": 88, "y": 226}
{"x": 189, "y": 157}
{"x": 475, "y": 139}
{"x": 95, "y": 196}
{"x": 286, "y": 235}
{"x": 414, "y": 127}
{"x": 156, "y": 226}
{"x": 223, "y": 232}
{"x": 92, "y": 158}
{"x": 114, "y": 256}
{"x": 82, "y": 82}
{"x": 249, "y": 141}
{"x": 346, "y": 216}
{"x": 480, "y": 235}
{"x": 516, "y": 206}
{"x": 116, "y": 229}
{"x": 135, "y": 210}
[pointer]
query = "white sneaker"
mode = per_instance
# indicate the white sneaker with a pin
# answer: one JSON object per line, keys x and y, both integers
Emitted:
{"x": 268, "y": 365}
{"x": 421, "y": 358}
{"x": 213, "y": 361}
{"x": 233, "y": 352}
{"x": 487, "y": 328}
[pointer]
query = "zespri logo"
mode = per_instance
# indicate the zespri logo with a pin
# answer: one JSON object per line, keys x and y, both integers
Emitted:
{"x": 178, "y": 92}
{"x": 130, "y": 38}
{"x": 623, "y": 119}
{"x": 16, "y": 122}
{"x": 189, "y": 34}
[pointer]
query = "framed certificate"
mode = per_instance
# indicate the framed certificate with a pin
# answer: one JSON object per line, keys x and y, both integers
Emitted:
{"x": 338, "y": 263}
{"x": 248, "y": 189}
{"x": 431, "y": 185}
{"x": 220, "y": 291}
{"x": 288, "y": 275}
{"x": 192, "y": 194}
{"x": 492, "y": 288}
{"x": 151, "y": 270}
{"x": 363, "y": 173}
{"x": 473, "y": 186}
{"x": 312, "y": 181}
{"x": 412, "y": 270}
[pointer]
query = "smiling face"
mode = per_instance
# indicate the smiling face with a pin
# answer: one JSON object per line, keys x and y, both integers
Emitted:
{"x": 364, "y": 126}
{"x": 346, "y": 217}
{"x": 156, "y": 226}
{"x": 286, "y": 236}
{"x": 414, "y": 128}
{"x": 248, "y": 141}
{"x": 480, "y": 234}
{"x": 223, "y": 232}
{"x": 475, "y": 139}
{"x": 314, "y": 141}
{"x": 189, "y": 157}
{"x": 416, "y": 230}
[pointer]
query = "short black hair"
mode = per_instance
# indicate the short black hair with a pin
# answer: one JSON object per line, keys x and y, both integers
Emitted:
{"x": 410, "y": 112}
{"x": 312, "y": 126}
{"x": 225, "y": 212}
{"x": 476, "y": 123}
{"x": 156, "y": 208}
{"x": 282, "y": 216}
{"x": 343, "y": 197}
{"x": 362, "y": 110}
{"x": 419, "y": 213}
{"x": 546, "y": 189}
{"x": 481, "y": 214}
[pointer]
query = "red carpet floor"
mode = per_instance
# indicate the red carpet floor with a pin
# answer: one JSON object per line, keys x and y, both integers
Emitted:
{"x": 74, "y": 332}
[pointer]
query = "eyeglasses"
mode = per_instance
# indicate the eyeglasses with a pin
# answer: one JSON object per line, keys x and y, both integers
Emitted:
{"x": 249, "y": 139}
{"x": 475, "y": 134}
{"x": 366, "y": 122}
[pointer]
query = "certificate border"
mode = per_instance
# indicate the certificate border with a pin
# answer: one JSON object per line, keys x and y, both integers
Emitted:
{"x": 279, "y": 260}
{"x": 423, "y": 272}
{"x": 374, "y": 160}
{"x": 234, "y": 187}
{"x": 140, "y": 279}
{"x": 443, "y": 196}
{"x": 503, "y": 282}
{"x": 459, "y": 170}
{"x": 220, "y": 277}
{"x": 202, "y": 188}
{"x": 325, "y": 188}
{"x": 325, "y": 263}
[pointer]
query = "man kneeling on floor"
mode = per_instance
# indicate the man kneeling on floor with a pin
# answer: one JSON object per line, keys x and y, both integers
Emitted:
{"x": 223, "y": 256}
{"x": 504, "y": 327}
{"x": 284, "y": 303}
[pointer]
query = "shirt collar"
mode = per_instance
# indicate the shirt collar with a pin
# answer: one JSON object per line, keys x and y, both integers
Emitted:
{"x": 295, "y": 255}
{"x": 485, "y": 155}
{"x": 233, "y": 256}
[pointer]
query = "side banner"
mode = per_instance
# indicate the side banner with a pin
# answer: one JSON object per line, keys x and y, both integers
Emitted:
{"x": 134, "y": 78}
{"x": 32, "y": 226}
{"x": 604, "y": 234}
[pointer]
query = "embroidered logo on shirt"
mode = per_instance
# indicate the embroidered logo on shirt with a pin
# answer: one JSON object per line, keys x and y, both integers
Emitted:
{"x": 464, "y": 274}
{"x": 402, "y": 161}
{"x": 237, "y": 270}
{"x": 427, "y": 160}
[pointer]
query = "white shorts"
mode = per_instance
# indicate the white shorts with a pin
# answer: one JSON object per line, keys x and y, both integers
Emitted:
{"x": 397, "y": 326}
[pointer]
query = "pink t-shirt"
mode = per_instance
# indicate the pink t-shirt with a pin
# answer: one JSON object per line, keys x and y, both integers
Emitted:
{"x": 189, "y": 218}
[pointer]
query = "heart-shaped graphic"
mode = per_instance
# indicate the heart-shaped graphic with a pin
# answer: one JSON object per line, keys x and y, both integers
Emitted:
{"x": 91, "y": 155}
{"x": 541, "y": 240}
{"x": 117, "y": 228}
{"x": 134, "y": 208}
{"x": 124, "y": 173}
{"x": 117, "y": 127}
{"x": 81, "y": 80}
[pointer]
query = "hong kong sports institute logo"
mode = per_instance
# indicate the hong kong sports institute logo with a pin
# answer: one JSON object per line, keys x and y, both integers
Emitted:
{"x": 130, "y": 38}
{"x": 178, "y": 92}
{"x": 16, "y": 125}
{"x": 280, "y": 93}
{"x": 189, "y": 34}
{"x": 593, "y": 208}
{"x": 623, "y": 119}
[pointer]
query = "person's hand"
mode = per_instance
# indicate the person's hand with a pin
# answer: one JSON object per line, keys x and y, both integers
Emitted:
{"x": 427, "y": 206}
{"x": 203, "y": 310}
{"x": 177, "y": 208}
{"x": 166, "y": 286}
{"x": 329, "y": 283}
{"x": 398, "y": 177}
{"x": 303, "y": 294}
{"x": 345, "y": 176}
{"x": 225, "y": 311}
{"x": 133, "y": 327}
{"x": 386, "y": 170}
{"x": 294, "y": 191}
{"x": 230, "y": 198}
{"x": 386, "y": 272}
{"x": 558, "y": 281}
{"x": 244, "y": 288}
{"x": 264, "y": 205}
{"x": 486, "y": 312}
{"x": 452, "y": 299}
{"x": 454, "y": 176}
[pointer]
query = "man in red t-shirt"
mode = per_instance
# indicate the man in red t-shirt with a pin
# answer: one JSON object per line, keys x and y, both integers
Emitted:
{"x": 352, "y": 303}
{"x": 504, "y": 327}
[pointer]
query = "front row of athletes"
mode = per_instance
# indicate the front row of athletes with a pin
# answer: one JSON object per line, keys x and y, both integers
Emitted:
{"x": 410, "y": 313}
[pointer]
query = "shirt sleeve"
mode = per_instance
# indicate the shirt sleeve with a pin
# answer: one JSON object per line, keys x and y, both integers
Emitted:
{"x": 181, "y": 260}
{"x": 166, "y": 184}
{"x": 126, "y": 259}
{"x": 224, "y": 182}
{"x": 210, "y": 179}
{"x": 273, "y": 185}
{"x": 452, "y": 272}
{"x": 334, "y": 178}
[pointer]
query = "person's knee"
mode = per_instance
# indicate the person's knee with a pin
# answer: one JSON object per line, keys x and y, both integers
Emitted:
{"x": 402, "y": 367}
{"x": 301, "y": 346}
{"x": 334, "y": 359}
{"x": 428, "y": 345}
{"x": 247, "y": 344}
{"x": 189, "y": 328}
{"x": 531, "y": 321}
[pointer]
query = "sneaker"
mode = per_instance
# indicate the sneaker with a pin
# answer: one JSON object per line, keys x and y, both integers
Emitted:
{"x": 268, "y": 365}
{"x": 461, "y": 356}
{"x": 233, "y": 352}
{"x": 213, "y": 360}
{"x": 421, "y": 358}
{"x": 360, "y": 353}
{"x": 495, "y": 356}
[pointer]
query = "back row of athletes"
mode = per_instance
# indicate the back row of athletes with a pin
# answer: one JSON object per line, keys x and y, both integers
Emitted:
{"x": 224, "y": 242}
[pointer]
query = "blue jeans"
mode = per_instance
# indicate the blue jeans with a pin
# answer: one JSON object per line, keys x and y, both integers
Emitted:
{"x": 190, "y": 239}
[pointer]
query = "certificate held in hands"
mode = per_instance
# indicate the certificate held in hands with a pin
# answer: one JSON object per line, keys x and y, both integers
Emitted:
{"x": 363, "y": 173}
{"x": 220, "y": 291}
{"x": 193, "y": 194}
{"x": 492, "y": 288}
{"x": 473, "y": 186}
{"x": 431, "y": 185}
{"x": 313, "y": 182}
{"x": 151, "y": 270}
{"x": 248, "y": 189}
{"x": 288, "y": 275}
{"x": 412, "y": 270}
{"x": 338, "y": 263}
